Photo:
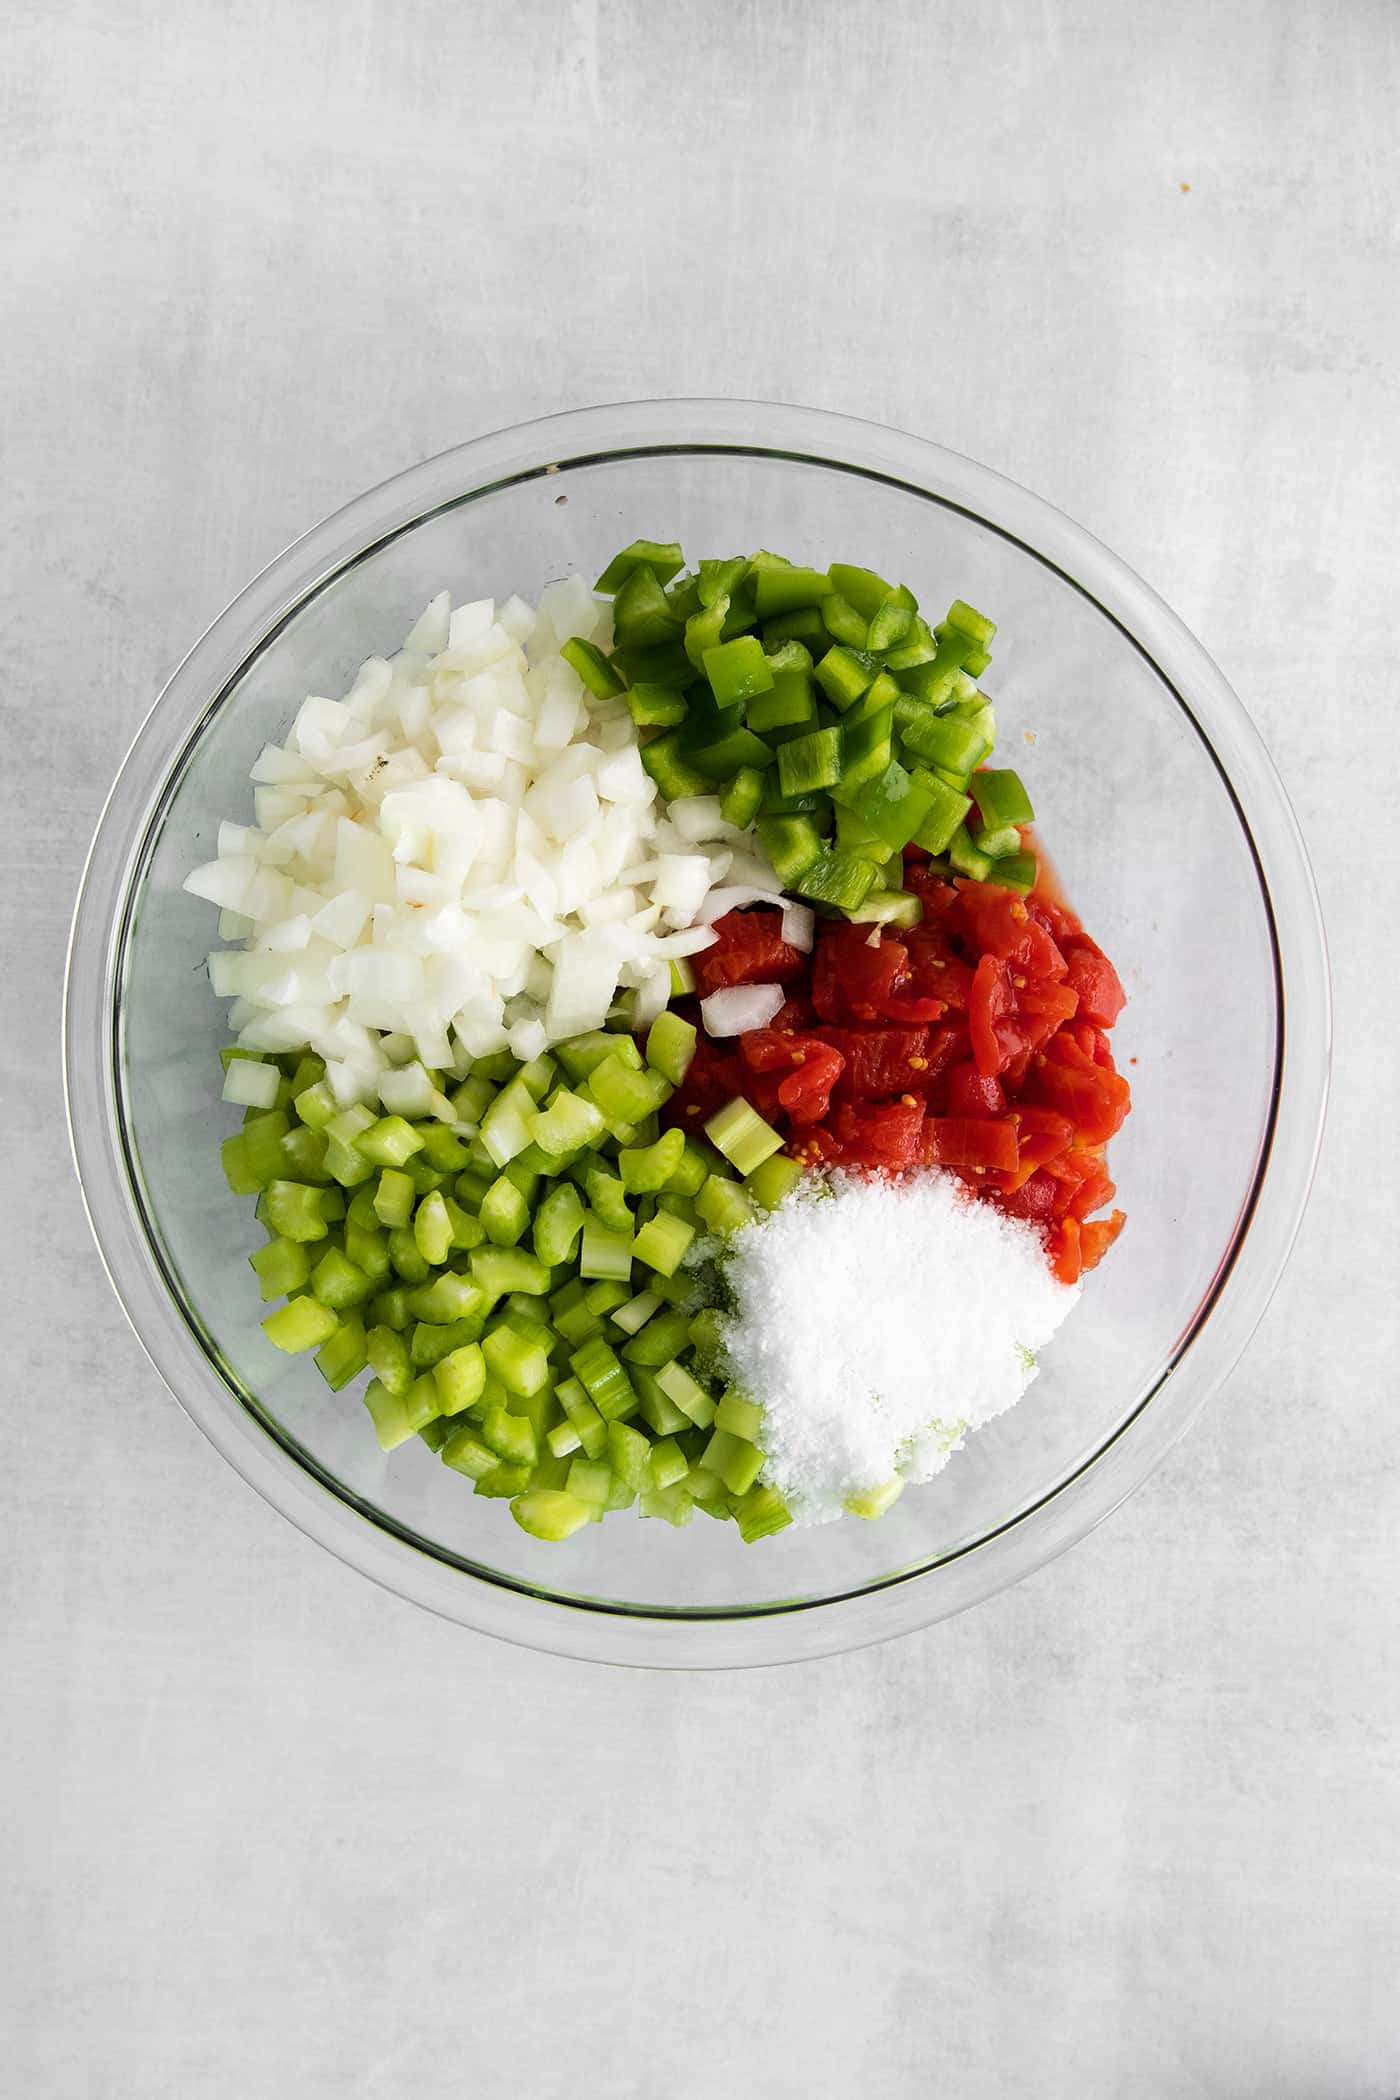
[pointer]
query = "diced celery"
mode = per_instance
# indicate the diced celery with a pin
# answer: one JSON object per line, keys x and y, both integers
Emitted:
{"x": 389, "y": 1414}
{"x": 336, "y": 1282}
{"x": 583, "y": 1416}
{"x": 404, "y": 1254}
{"x": 734, "y": 1460}
{"x": 739, "y": 1416}
{"x": 504, "y": 1213}
{"x": 557, "y": 1225}
{"x": 687, "y": 1393}
{"x": 628, "y": 1453}
{"x": 590, "y": 1479}
{"x": 724, "y": 1205}
{"x": 661, "y": 1338}
{"x": 390, "y": 1142}
{"x": 299, "y": 1325}
{"x": 636, "y": 1312}
{"x": 507, "y": 1126}
{"x": 549, "y": 1513}
{"x": 563, "y": 1439}
{"x": 464, "y": 1451}
{"x": 603, "y": 1379}
{"x": 623, "y": 1094}
{"x": 504, "y": 1482}
{"x": 510, "y": 1436}
{"x": 760, "y": 1513}
{"x": 646, "y": 1169}
{"x": 431, "y": 1341}
{"x": 387, "y": 1356}
{"x": 740, "y": 1133}
{"x": 448, "y": 1297}
{"x": 659, "y": 1412}
{"x": 873, "y": 1502}
{"x": 281, "y": 1267}
{"x": 393, "y": 1198}
{"x": 521, "y": 1366}
{"x": 316, "y": 1106}
{"x": 667, "y": 1464}
{"x": 773, "y": 1179}
{"x": 605, "y": 1295}
{"x": 568, "y": 1125}
{"x": 342, "y": 1356}
{"x": 607, "y": 1197}
{"x": 461, "y": 1378}
{"x": 295, "y": 1211}
{"x": 582, "y": 1054}
{"x": 603, "y": 1253}
{"x": 432, "y": 1230}
{"x": 390, "y": 1309}
{"x": 672, "y": 1504}
{"x": 467, "y": 1231}
{"x": 499, "y": 1270}
{"x": 662, "y": 1242}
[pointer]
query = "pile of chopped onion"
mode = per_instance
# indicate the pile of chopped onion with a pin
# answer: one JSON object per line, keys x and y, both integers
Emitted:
{"x": 463, "y": 855}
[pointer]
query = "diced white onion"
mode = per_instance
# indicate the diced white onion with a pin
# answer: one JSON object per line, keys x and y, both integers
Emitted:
{"x": 799, "y": 926}
{"x": 741, "y": 1007}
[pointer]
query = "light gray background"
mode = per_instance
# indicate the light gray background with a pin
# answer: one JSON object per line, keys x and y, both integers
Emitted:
{"x": 1134, "y": 1827}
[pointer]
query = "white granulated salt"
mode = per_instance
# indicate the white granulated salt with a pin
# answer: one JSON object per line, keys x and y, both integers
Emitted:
{"x": 878, "y": 1321}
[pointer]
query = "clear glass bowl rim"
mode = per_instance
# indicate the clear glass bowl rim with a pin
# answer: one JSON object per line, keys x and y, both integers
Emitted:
{"x": 1248, "y": 1275}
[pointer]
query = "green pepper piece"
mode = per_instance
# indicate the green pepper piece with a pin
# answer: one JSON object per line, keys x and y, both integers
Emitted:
{"x": 966, "y": 621}
{"x": 741, "y": 797}
{"x": 844, "y": 674}
{"x": 732, "y": 748}
{"x": 737, "y": 670}
{"x": 946, "y": 741}
{"x": 1001, "y": 799}
{"x": 791, "y": 843}
{"x": 641, "y": 617}
{"x": 843, "y": 623}
{"x": 812, "y": 761}
{"x": 781, "y": 588}
{"x": 1016, "y": 872}
{"x": 805, "y": 626}
{"x": 966, "y": 858}
{"x": 662, "y": 557}
{"x": 837, "y": 878}
{"x": 671, "y": 768}
{"x": 592, "y": 666}
{"x": 720, "y": 579}
{"x": 894, "y": 804}
{"x": 666, "y": 664}
{"x": 861, "y": 588}
{"x": 866, "y": 747}
{"x": 947, "y": 810}
{"x": 703, "y": 630}
{"x": 656, "y": 706}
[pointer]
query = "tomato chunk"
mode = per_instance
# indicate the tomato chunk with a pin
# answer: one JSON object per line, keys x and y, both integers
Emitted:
{"x": 1095, "y": 1100}
{"x": 972, "y": 1093}
{"x": 880, "y": 1134}
{"x": 1101, "y": 997}
{"x": 880, "y": 1061}
{"x": 749, "y": 949}
{"x": 970, "y": 1141}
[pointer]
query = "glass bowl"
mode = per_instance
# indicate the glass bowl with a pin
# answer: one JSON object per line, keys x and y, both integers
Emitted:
{"x": 1156, "y": 802}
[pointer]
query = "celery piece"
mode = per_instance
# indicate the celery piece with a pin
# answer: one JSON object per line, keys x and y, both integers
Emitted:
{"x": 625, "y": 1095}
{"x": 460, "y": 1378}
{"x": 504, "y": 1482}
{"x": 682, "y": 977}
{"x": 424, "y": 1176}
{"x": 346, "y": 1163}
{"x": 724, "y": 1205}
{"x": 263, "y": 1132}
{"x": 760, "y": 1513}
{"x": 549, "y": 1473}
{"x": 420, "y": 1402}
{"x": 874, "y": 1501}
{"x": 433, "y": 1340}
{"x": 557, "y": 1225}
{"x": 300, "y": 1324}
{"x": 499, "y": 1270}
{"x": 733, "y": 1460}
{"x": 603, "y": 1253}
{"x": 467, "y": 1231}
{"x": 509, "y": 1436}
{"x": 387, "y": 1356}
{"x": 583, "y": 1416}
{"x": 504, "y": 1213}
{"x": 470, "y": 1101}
{"x": 336, "y": 1282}
{"x": 685, "y": 1391}
{"x": 368, "y": 1248}
{"x": 348, "y": 1125}
{"x": 660, "y": 1413}
{"x": 521, "y": 1366}
{"x": 628, "y": 1452}
{"x": 281, "y": 1267}
{"x": 237, "y": 1172}
{"x": 662, "y": 1242}
{"x": 648, "y": 1168}
{"x": 590, "y": 1480}
{"x": 316, "y": 1106}
{"x": 670, "y": 1046}
{"x": 603, "y": 1379}
{"x": 342, "y": 1356}
{"x": 661, "y": 1338}
{"x": 739, "y": 1416}
{"x": 773, "y": 1179}
{"x": 389, "y": 1414}
{"x": 506, "y": 1128}
{"x": 635, "y": 1313}
{"x": 605, "y": 1295}
{"x": 697, "y": 1161}
{"x": 390, "y": 1142}
{"x": 563, "y": 1439}
{"x": 295, "y": 1211}
{"x": 569, "y": 1123}
{"x": 673, "y": 1505}
{"x": 581, "y": 1055}
{"x": 549, "y": 1513}
{"x": 607, "y": 1198}
{"x": 538, "y": 1076}
{"x": 393, "y": 1198}
{"x": 390, "y": 1309}
{"x": 667, "y": 1464}
{"x": 577, "y": 1323}
{"x": 404, "y": 1254}
{"x": 442, "y": 1148}
{"x": 470, "y": 1188}
{"x": 464, "y": 1451}
{"x": 432, "y": 1230}
{"x": 433, "y": 1434}
{"x": 448, "y": 1297}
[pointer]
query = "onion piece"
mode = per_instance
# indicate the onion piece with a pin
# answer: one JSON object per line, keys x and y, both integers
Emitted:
{"x": 733, "y": 898}
{"x": 799, "y": 926}
{"x": 741, "y": 1007}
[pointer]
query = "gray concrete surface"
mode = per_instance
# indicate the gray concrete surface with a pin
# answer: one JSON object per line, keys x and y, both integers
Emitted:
{"x": 1135, "y": 1827}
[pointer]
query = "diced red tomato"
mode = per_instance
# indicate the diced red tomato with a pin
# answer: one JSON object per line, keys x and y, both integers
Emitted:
{"x": 1064, "y": 1077}
{"x": 1094, "y": 978}
{"x": 1097, "y": 1236}
{"x": 977, "y": 1142}
{"x": 936, "y": 970}
{"x": 1066, "y": 1254}
{"x": 972, "y": 1093}
{"x": 749, "y": 949}
{"x": 880, "y": 1061}
{"x": 1035, "y": 1199}
{"x": 995, "y": 1039}
{"x": 1001, "y": 924}
{"x": 882, "y": 1134}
